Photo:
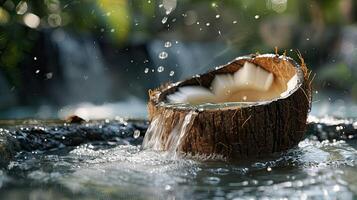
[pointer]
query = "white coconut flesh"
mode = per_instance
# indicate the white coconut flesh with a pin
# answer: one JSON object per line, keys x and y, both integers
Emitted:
{"x": 250, "y": 83}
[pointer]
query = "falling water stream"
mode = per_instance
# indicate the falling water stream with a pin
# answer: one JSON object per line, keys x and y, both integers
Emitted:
{"x": 156, "y": 131}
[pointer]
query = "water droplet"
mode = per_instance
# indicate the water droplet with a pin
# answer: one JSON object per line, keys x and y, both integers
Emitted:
{"x": 37, "y": 71}
{"x": 214, "y": 5}
{"x": 176, "y": 42}
{"x": 256, "y": 16}
{"x": 208, "y": 24}
{"x": 218, "y": 16}
{"x": 197, "y": 22}
{"x": 152, "y": 70}
{"x": 160, "y": 69}
{"x": 85, "y": 77}
{"x": 172, "y": 73}
{"x": 336, "y": 188}
{"x": 35, "y": 58}
{"x": 112, "y": 30}
{"x": 146, "y": 70}
{"x": 168, "y": 187}
{"x": 168, "y": 44}
{"x": 49, "y": 75}
{"x": 136, "y": 134}
{"x": 212, "y": 180}
{"x": 245, "y": 183}
{"x": 163, "y": 55}
{"x": 307, "y": 39}
{"x": 235, "y": 21}
{"x": 21, "y": 8}
{"x": 269, "y": 169}
{"x": 219, "y": 32}
{"x": 160, "y": 5}
{"x": 164, "y": 20}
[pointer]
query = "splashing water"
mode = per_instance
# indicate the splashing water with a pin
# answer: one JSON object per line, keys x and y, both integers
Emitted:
{"x": 116, "y": 170}
{"x": 155, "y": 135}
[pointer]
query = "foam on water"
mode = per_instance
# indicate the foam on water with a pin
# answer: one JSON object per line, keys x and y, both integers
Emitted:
{"x": 314, "y": 169}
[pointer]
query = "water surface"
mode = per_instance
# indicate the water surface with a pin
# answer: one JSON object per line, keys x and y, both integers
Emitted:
{"x": 115, "y": 170}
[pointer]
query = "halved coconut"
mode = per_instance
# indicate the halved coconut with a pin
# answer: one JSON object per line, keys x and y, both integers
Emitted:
{"x": 254, "y": 105}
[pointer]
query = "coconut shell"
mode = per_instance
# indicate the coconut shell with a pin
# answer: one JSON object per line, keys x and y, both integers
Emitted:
{"x": 233, "y": 130}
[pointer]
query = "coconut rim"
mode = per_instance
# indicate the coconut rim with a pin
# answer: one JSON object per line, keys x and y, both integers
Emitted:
{"x": 226, "y": 105}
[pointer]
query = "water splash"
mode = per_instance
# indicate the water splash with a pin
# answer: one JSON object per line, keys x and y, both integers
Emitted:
{"x": 155, "y": 137}
{"x": 313, "y": 170}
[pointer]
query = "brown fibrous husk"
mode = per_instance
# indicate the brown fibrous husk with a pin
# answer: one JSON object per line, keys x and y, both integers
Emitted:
{"x": 236, "y": 131}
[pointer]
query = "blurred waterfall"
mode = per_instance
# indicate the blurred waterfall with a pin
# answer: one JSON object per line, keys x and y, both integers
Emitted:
{"x": 84, "y": 77}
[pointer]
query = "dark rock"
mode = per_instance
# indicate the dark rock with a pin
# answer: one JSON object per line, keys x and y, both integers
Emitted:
{"x": 74, "y": 119}
{"x": 51, "y": 137}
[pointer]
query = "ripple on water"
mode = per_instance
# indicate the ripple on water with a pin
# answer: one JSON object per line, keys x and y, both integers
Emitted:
{"x": 311, "y": 170}
{"x": 314, "y": 169}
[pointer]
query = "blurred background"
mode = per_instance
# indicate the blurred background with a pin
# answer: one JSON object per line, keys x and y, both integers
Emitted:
{"x": 98, "y": 58}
